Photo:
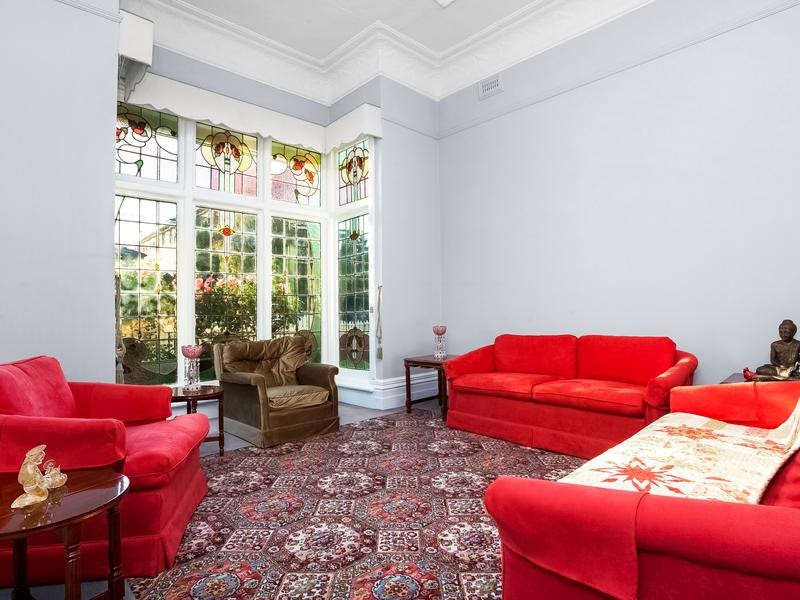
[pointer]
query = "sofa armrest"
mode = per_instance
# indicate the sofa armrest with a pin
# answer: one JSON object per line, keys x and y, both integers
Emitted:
{"x": 126, "y": 403}
{"x": 681, "y": 373}
{"x": 243, "y": 378}
{"x": 762, "y": 542}
{"x": 71, "y": 443}
{"x": 321, "y": 375}
{"x": 477, "y": 361}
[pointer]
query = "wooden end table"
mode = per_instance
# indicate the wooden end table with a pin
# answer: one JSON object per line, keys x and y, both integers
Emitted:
{"x": 85, "y": 495}
{"x": 206, "y": 392}
{"x": 734, "y": 378}
{"x": 428, "y": 362}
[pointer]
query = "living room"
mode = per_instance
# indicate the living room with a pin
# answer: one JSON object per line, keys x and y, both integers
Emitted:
{"x": 358, "y": 285}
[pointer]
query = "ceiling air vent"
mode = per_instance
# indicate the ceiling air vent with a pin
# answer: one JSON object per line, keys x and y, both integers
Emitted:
{"x": 490, "y": 86}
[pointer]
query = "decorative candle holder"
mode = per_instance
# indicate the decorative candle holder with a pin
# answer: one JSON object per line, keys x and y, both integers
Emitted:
{"x": 191, "y": 366}
{"x": 438, "y": 339}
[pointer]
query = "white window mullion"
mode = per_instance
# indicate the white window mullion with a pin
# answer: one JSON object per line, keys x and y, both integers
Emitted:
{"x": 186, "y": 329}
{"x": 264, "y": 236}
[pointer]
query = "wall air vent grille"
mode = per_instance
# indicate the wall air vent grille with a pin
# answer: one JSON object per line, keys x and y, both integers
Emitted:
{"x": 490, "y": 86}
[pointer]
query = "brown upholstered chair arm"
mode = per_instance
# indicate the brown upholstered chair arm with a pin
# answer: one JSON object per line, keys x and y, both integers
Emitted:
{"x": 321, "y": 375}
{"x": 243, "y": 378}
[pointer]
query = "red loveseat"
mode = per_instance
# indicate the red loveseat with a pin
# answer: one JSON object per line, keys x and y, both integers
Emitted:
{"x": 577, "y": 396}
{"x": 575, "y": 542}
{"x": 100, "y": 425}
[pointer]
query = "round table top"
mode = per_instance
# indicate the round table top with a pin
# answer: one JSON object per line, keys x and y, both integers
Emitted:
{"x": 85, "y": 494}
{"x": 205, "y": 392}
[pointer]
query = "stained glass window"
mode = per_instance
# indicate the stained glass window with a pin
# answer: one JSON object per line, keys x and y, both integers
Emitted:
{"x": 296, "y": 281}
{"x": 147, "y": 143}
{"x": 296, "y": 175}
{"x": 226, "y": 160}
{"x": 225, "y": 298}
{"x": 353, "y": 173}
{"x": 354, "y": 294}
{"x": 145, "y": 245}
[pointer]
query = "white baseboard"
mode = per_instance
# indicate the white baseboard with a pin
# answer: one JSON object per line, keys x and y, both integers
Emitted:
{"x": 389, "y": 393}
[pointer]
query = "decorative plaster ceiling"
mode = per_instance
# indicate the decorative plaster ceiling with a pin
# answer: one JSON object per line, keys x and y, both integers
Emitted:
{"x": 323, "y": 50}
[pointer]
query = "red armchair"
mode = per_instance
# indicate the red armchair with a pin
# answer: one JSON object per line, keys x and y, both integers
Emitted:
{"x": 574, "y": 542}
{"x": 99, "y": 425}
{"x": 578, "y": 396}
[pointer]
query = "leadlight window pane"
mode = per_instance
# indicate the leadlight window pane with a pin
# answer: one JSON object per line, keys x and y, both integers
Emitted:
{"x": 226, "y": 160}
{"x": 353, "y": 173}
{"x": 146, "y": 270}
{"x": 297, "y": 281}
{"x": 296, "y": 175}
{"x": 354, "y": 294}
{"x": 225, "y": 289}
{"x": 147, "y": 143}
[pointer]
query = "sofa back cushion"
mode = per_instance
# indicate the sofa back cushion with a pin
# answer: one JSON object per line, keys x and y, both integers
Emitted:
{"x": 277, "y": 360}
{"x": 628, "y": 359}
{"x": 541, "y": 354}
{"x": 35, "y": 387}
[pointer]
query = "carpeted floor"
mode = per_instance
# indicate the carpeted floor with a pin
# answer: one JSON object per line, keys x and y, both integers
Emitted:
{"x": 386, "y": 509}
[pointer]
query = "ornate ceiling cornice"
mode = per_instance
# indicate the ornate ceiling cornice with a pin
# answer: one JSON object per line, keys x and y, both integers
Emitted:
{"x": 377, "y": 50}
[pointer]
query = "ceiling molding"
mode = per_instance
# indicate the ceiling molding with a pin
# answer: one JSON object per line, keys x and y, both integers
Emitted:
{"x": 93, "y": 9}
{"x": 377, "y": 50}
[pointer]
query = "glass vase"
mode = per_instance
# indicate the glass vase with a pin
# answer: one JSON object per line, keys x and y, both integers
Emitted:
{"x": 191, "y": 374}
{"x": 440, "y": 350}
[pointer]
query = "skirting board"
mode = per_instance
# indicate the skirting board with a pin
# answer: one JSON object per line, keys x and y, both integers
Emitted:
{"x": 389, "y": 393}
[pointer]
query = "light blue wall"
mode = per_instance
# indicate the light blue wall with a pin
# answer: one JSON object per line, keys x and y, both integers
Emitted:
{"x": 661, "y": 200}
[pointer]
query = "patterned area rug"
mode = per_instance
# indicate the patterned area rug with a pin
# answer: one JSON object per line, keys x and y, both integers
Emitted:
{"x": 385, "y": 509}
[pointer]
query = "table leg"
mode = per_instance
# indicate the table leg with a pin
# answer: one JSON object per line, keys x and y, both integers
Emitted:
{"x": 408, "y": 389}
{"x": 188, "y": 407}
{"x": 443, "y": 393}
{"x": 21, "y": 590}
{"x": 221, "y": 428}
{"x": 72, "y": 573}
{"x": 116, "y": 583}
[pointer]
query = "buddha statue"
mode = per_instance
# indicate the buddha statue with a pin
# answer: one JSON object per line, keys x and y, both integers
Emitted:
{"x": 784, "y": 354}
{"x": 35, "y": 483}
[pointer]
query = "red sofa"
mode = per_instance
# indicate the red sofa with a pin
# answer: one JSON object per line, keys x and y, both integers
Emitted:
{"x": 577, "y": 396}
{"x": 574, "y": 542}
{"x": 99, "y": 425}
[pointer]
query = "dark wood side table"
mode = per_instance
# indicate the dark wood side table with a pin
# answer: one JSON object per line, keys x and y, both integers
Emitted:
{"x": 427, "y": 362}
{"x": 206, "y": 392}
{"x": 734, "y": 378}
{"x": 85, "y": 495}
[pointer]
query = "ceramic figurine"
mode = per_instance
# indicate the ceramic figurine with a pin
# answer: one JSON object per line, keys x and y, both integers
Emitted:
{"x": 35, "y": 483}
{"x": 784, "y": 356}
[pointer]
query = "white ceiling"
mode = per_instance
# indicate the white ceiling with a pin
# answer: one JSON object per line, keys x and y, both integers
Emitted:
{"x": 325, "y": 49}
{"x": 318, "y": 27}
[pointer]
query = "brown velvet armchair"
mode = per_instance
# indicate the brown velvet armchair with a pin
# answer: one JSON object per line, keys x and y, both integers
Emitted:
{"x": 273, "y": 394}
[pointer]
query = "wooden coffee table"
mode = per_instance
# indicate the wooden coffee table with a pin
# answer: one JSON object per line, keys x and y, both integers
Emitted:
{"x": 85, "y": 495}
{"x": 206, "y": 392}
{"x": 428, "y": 362}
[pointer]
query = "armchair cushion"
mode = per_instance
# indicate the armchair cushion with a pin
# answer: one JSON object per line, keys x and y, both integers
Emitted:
{"x": 511, "y": 385}
{"x": 296, "y": 396}
{"x": 546, "y": 354}
{"x": 35, "y": 387}
{"x": 277, "y": 360}
{"x": 629, "y": 359}
{"x": 156, "y": 450}
{"x": 128, "y": 403}
{"x": 610, "y": 397}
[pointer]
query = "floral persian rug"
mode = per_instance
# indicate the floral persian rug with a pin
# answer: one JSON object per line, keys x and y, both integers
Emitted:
{"x": 385, "y": 509}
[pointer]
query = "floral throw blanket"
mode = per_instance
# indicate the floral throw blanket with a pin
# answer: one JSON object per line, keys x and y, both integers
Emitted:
{"x": 695, "y": 457}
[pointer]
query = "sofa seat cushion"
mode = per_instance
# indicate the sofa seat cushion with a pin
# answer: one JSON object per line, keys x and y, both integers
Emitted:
{"x": 296, "y": 396}
{"x": 157, "y": 450}
{"x": 593, "y": 394}
{"x": 35, "y": 387}
{"x": 510, "y": 385}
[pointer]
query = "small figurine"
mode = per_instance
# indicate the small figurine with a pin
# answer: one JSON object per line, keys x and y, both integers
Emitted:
{"x": 35, "y": 483}
{"x": 784, "y": 357}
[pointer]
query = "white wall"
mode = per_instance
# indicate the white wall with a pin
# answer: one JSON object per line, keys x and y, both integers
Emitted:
{"x": 663, "y": 200}
{"x": 57, "y": 200}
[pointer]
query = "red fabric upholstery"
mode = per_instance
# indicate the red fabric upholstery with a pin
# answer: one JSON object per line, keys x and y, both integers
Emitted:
{"x": 577, "y": 542}
{"x": 477, "y": 361}
{"x": 160, "y": 457}
{"x": 582, "y": 415}
{"x": 546, "y": 354}
{"x": 35, "y": 388}
{"x": 512, "y": 385}
{"x": 624, "y": 358}
{"x": 128, "y": 403}
{"x": 592, "y": 394}
{"x": 156, "y": 450}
